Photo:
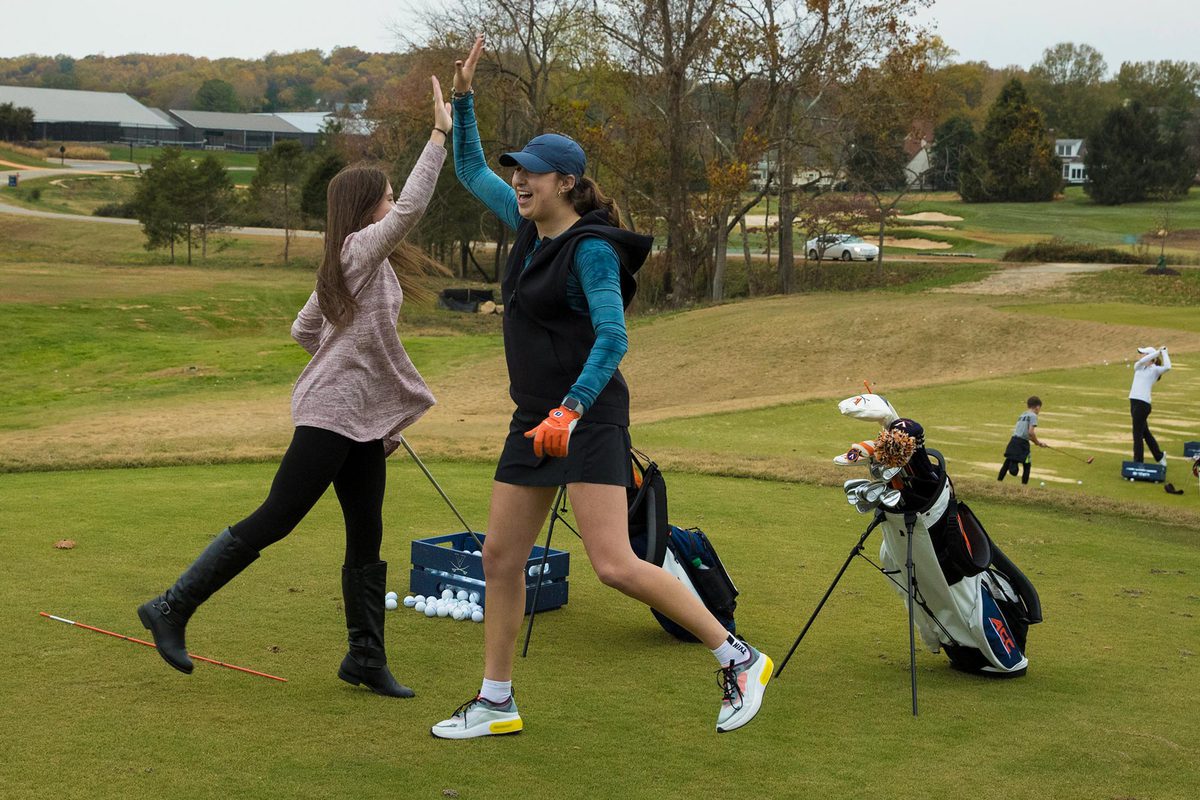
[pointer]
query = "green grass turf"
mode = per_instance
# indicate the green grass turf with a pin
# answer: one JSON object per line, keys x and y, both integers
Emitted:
{"x": 72, "y": 194}
{"x": 613, "y": 706}
{"x": 143, "y": 155}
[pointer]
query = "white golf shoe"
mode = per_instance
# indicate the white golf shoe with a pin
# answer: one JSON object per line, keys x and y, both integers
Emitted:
{"x": 479, "y": 717}
{"x": 743, "y": 686}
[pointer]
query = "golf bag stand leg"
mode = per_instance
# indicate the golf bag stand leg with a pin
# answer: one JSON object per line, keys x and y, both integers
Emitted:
{"x": 560, "y": 502}
{"x": 858, "y": 547}
{"x": 910, "y": 521}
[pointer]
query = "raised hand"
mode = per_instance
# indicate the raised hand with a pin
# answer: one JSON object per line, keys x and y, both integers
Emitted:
{"x": 442, "y": 119}
{"x": 464, "y": 70}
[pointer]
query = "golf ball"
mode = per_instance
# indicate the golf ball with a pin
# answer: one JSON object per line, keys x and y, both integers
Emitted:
{"x": 419, "y": 606}
{"x": 391, "y": 596}
{"x": 420, "y": 598}
{"x": 1080, "y": 483}
{"x": 458, "y": 614}
{"x": 461, "y": 594}
{"x": 473, "y": 597}
{"x": 479, "y": 553}
{"x": 443, "y": 611}
{"x": 477, "y": 616}
{"x": 1043, "y": 483}
{"x": 410, "y": 601}
{"x": 390, "y": 604}
{"x": 431, "y": 611}
{"x": 447, "y": 594}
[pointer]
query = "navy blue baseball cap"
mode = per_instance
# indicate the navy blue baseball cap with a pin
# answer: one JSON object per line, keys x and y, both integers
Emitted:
{"x": 550, "y": 152}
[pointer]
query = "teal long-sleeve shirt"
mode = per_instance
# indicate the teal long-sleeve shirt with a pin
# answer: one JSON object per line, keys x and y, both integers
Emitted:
{"x": 593, "y": 284}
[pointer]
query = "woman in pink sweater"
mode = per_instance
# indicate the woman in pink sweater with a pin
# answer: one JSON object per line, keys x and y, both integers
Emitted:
{"x": 349, "y": 405}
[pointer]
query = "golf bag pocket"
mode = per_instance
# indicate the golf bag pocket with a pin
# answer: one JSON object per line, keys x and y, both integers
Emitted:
{"x": 690, "y": 557}
{"x": 1006, "y": 653}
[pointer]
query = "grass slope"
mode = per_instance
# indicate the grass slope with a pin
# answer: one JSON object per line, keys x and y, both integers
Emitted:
{"x": 1106, "y": 710}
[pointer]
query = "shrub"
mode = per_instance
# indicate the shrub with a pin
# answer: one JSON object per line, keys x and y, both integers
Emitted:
{"x": 28, "y": 152}
{"x": 1057, "y": 249}
{"x": 35, "y": 194}
{"x": 124, "y": 210}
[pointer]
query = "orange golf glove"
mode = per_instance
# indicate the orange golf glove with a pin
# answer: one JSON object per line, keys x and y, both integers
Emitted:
{"x": 551, "y": 436}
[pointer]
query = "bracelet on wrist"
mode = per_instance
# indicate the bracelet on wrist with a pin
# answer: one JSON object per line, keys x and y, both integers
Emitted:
{"x": 457, "y": 95}
{"x": 442, "y": 132}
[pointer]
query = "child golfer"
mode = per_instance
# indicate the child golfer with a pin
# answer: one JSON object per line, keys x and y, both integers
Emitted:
{"x": 1025, "y": 431}
{"x": 567, "y": 282}
{"x": 349, "y": 405}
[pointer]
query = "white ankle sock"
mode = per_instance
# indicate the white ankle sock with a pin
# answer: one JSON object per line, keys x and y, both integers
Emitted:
{"x": 496, "y": 691}
{"x": 732, "y": 649}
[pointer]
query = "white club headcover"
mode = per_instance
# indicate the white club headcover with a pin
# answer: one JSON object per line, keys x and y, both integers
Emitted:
{"x": 870, "y": 407}
{"x": 859, "y": 454}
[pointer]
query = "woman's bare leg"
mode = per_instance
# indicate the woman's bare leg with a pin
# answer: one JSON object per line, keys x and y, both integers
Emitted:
{"x": 603, "y": 516}
{"x": 515, "y": 518}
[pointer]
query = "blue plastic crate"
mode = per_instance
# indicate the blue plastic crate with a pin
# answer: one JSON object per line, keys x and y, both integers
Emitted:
{"x": 448, "y": 562}
{"x": 1190, "y": 449}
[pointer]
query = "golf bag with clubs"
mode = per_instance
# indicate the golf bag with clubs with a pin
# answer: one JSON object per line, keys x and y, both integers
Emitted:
{"x": 687, "y": 554}
{"x": 970, "y": 599}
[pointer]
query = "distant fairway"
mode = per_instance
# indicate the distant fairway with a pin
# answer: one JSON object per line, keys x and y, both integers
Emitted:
{"x": 177, "y": 381}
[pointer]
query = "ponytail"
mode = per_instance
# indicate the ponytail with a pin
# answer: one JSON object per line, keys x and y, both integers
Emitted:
{"x": 586, "y": 196}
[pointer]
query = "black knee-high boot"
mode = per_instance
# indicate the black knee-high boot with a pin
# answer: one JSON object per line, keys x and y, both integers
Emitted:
{"x": 167, "y": 615}
{"x": 363, "y": 591}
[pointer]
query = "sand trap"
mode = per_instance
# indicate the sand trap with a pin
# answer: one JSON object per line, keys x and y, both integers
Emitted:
{"x": 916, "y": 244}
{"x": 931, "y": 216}
{"x": 930, "y": 228}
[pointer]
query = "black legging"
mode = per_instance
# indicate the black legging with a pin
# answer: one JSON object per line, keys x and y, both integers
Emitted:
{"x": 1140, "y": 411}
{"x": 1010, "y": 467}
{"x": 316, "y": 458}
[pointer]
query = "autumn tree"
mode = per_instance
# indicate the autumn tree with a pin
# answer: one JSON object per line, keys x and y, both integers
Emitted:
{"x": 1068, "y": 86}
{"x": 951, "y": 140}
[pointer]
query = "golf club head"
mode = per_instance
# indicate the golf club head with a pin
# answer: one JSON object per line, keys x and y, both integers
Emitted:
{"x": 863, "y": 506}
{"x": 888, "y": 473}
{"x": 854, "y": 483}
{"x": 870, "y": 407}
{"x": 891, "y": 498}
{"x": 874, "y": 492}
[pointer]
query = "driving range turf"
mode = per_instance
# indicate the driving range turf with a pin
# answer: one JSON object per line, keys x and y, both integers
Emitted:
{"x": 177, "y": 380}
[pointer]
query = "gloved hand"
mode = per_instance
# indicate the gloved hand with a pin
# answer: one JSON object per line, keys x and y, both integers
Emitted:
{"x": 553, "y": 434}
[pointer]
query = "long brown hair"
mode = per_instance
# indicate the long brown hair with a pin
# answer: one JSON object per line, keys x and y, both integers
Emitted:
{"x": 586, "y": 196}
{"x": 352, "y": 197}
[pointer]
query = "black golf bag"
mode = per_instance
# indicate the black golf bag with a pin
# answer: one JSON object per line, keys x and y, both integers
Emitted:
{"x": 686, "y": 554}
{"x": 971, "y": 600}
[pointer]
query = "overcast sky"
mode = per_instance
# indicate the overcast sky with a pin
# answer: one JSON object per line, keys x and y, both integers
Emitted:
{"x": 1000, "y": 32}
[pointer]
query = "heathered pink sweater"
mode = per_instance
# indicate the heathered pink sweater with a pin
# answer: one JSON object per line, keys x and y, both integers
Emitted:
{"x": 360, "y": 382}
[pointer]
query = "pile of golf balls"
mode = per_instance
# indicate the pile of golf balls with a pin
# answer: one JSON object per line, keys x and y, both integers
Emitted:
{"x": 458, "y": 605}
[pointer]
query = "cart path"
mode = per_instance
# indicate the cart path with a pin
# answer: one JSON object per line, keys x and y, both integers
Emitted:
{"x": 1026, "y": 278}
{"x": 5, "y": 208}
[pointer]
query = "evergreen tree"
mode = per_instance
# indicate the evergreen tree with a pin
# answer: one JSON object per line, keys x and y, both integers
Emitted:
{"x": 217, "y": 95}
{"x": 275, "y": 189}
{"x": 161, "y": 200}
{"x": 951, "y": 140}
{"x": 1132, "y": 157}
{"x": 316, "y": 185}
{"x": 1013, "y": 160}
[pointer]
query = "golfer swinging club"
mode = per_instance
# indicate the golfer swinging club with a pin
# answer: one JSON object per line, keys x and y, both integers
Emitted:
{"x": 567, "y": 282}
{"x": 349, "y": 405}
{"x": 1149, "y": 369}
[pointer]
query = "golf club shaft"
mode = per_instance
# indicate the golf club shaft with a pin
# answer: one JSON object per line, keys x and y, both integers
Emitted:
{"x": 1068, "y": 454}
{"x": 537, "y": 587}
{"x": 445, "y": 497}
{"x": 151, "y": 644}
{"x": 910, "y": 523}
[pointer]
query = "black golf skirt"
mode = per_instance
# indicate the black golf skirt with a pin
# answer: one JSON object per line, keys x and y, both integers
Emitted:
{"x": 1017, "y": 450}
{"x": 597, "y": 453}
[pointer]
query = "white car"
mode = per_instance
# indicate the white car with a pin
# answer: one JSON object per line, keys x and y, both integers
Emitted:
{"x": 841, "y": 245}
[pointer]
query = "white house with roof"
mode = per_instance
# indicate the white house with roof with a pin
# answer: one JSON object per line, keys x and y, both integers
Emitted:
{"x": 1071, "y": 153}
